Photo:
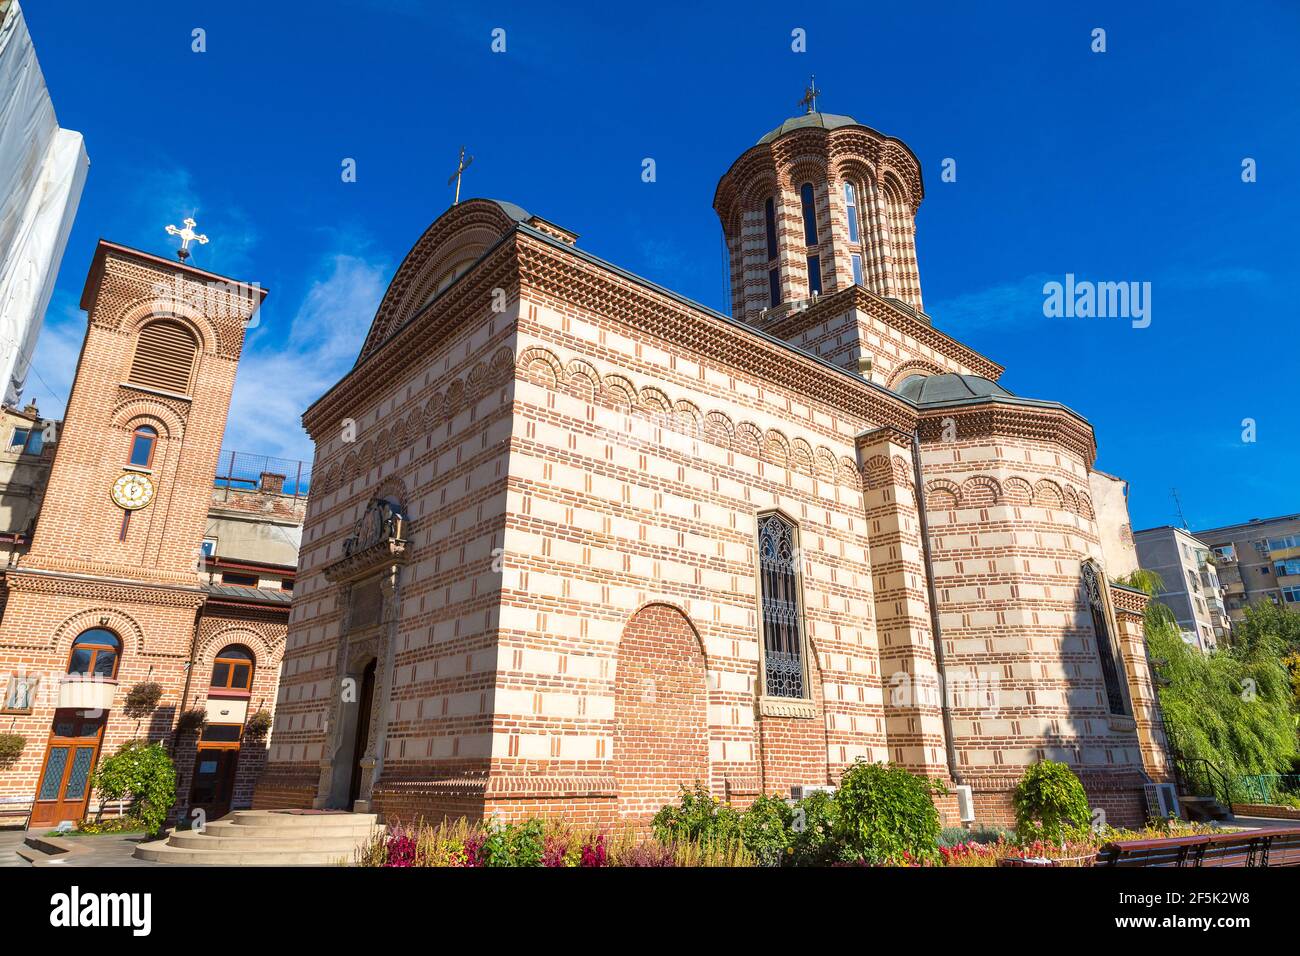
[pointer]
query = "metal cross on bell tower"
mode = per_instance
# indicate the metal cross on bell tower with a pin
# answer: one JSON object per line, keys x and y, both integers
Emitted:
{"x": 809, "y": 101}
{"x": 187, "y": 235}
{"x": 455, "y": 177}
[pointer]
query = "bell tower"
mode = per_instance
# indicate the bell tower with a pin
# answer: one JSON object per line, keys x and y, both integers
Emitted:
{"x": 130, "y": 487}
{"x": 815, "y": 206}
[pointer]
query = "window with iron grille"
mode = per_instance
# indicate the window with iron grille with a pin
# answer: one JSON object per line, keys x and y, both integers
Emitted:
{"x": 1111, "y": 668}
{"x": 782, "y": 635}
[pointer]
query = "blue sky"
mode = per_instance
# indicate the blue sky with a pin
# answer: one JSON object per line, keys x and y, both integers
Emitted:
{"x": 1116, "y": 166}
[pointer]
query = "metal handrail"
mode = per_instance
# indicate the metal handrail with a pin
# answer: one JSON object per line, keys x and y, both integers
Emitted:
{"x": 1219, "y": 785}
{"x": 1191, "y": 782}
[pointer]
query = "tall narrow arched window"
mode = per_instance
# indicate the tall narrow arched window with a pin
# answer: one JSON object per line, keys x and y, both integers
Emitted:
{"x": 773, "y": 270}
{"x": 809, "y": 203}
{"x": 1112, "y": 667}
{"x": 233, "y": 669}
{"x": 855, "y": 231}
{"x": 769, "y": 218}
{"x": 164, "y": 357}
{"x": 95, "y": 653}
{"x": 851, "y": 207}
{"x": 808, "y": 200}
{"x": 779, "y": 580}
{"x": 143, "y": 441}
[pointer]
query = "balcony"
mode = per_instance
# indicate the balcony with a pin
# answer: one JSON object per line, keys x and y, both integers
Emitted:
{"x": 77, "y": 692}
{"x": 1279, "y": 549}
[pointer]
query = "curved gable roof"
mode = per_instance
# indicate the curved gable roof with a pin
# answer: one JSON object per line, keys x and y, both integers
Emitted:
{"x": 475, "y": 225}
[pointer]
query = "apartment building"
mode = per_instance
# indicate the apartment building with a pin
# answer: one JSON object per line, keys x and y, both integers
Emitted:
{"x": 1192, "y": 588}
{"x": 1258, "y": 560}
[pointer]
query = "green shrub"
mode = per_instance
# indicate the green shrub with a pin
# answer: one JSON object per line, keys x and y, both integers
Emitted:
{"x": 258, "y": 725}
{"x": 11, "y": 748}
{"x": 886, "y": 815}
{"x": 1050, "y": 803}
{"x": 127, "y": 824}
{"x": 511, "y": 844}
{"x": 956, "y": 836}
{"x": 191, "y": 721}
{"x": 144, "y": 773}
{"x": 699, "y": 817}
{"x": 142, "y": 698}
{"x": 765, "y": 830}
{"x": 812, "y": 830}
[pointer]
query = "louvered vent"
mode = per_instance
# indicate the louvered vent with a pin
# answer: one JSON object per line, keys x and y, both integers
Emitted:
{"x": 164, "y": 357}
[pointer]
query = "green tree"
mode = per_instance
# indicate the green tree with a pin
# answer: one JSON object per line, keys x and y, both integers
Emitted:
{"x": 1148, "y": 582}
{"x": 1233, "y": 706}
{"x": 1269, "y": 628}
{"x": 144, "y": 773}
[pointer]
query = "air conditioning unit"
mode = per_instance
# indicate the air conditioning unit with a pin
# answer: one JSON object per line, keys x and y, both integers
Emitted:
{"x": 800, "y": 790}
{"x": 965, "y": 803}
{"x": 1162, "y": 801}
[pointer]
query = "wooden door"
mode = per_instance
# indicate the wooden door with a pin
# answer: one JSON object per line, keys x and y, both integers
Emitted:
{"x": 214, "y": 780}
{"x": 63, "y": 788}
{"x": 363, "y": 732}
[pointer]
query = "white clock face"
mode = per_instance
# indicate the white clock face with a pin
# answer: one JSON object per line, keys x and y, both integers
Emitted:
{"x": 132, "y": 491}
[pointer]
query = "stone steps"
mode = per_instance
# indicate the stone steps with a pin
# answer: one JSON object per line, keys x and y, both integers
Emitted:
{"x": 1207, "y": 809}
{"x": 235, "y": 831}
{"x": 344, "y": 844}
{"x": 267, "y": 838}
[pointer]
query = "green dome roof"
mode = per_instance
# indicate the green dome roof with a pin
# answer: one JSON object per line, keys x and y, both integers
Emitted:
{"x": 822, "y": 120}
{"x": 938, "y": 389}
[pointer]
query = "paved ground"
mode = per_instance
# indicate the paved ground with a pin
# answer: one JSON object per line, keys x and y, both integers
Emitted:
{"x": 10, "y": 841}
{"x": 1258, "y": 822}
{"x": 107, "y": 850}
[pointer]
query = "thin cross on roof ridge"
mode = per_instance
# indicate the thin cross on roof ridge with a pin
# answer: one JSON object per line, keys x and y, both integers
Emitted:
{"x": 809, "y": 101}
{"x": 455, "y": 177}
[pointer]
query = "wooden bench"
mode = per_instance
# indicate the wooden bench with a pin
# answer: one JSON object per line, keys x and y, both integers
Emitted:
{"x": 1278, "y": 846}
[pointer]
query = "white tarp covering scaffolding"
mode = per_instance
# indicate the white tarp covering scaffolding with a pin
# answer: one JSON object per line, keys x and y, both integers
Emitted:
{"x": 42, "y": 171}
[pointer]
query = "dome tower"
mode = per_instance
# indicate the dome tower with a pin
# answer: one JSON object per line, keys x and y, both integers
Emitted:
{"x": 816, "y": 205}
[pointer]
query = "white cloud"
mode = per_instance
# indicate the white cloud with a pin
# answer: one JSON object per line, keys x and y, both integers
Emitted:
{"x": 1006, "y": 304}
{"x": 284, "y": 371}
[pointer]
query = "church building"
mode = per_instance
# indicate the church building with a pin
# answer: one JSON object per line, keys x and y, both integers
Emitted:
{"x": 576, "y": 540}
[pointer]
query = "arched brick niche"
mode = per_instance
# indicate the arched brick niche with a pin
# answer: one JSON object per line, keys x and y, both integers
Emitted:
{"x": 661, "y": 739}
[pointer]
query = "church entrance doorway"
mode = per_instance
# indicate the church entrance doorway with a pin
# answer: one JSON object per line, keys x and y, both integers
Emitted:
{"x": 214, "y": 780}
{"x": 364, "y": 700}
{"x": 63, "y": 788}
{"x": 214, "y": 769}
